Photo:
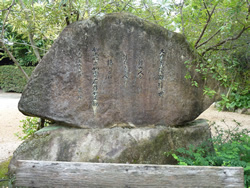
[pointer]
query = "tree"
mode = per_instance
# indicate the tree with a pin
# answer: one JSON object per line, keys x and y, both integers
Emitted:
{"x": 2, "y": 43}
{"x": 219, "y": 30}
{"x": 41, "y": 21}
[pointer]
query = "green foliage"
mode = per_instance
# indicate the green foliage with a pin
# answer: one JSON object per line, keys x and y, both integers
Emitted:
{"x": 218, "y": 30}
{"x": 29, "y": 126}
{"x": 18, "y": 45}
{"x": 45, "y": 22}
{"x": 235, "y": 101}
{"x": 232, "y": 148}
{"x": 209, "y": 92}
{"x": 11, "y": 78}
{"x": 4, "y": 179}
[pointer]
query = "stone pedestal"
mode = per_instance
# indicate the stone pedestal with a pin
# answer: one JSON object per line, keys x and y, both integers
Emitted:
{"x": 117, "y": 145}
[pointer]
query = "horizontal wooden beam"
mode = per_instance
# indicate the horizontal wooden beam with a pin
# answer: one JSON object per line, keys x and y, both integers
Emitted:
{"x": 76, "y": 174}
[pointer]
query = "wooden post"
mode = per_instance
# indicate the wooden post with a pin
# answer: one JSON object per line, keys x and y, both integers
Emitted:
{"x": 76, "y": 174}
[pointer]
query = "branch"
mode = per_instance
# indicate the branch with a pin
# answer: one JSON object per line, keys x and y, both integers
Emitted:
{"x": 100, "y": 11}
{"x": 147, "y": 8}
{"x": 248, "y": 12}
{"x": 225, "y": 49}
{"x": 6, "y": 18}
{"x": 30, "y": 45}
{"x": 208, "y": 39}
{"x": 135, "y": 8}
{"x": 205, "y": 27}
{"x": 6, "y": 49}
{"x": 13, "y": 59}
{"x": 30, "y": 31}
{"x": 126, "y": 5}
{"x": 206, "y": 8}
{"x": 226, "y": 40}
{"x": 3, "y": 180}
{"x": 34, "y": 18}
{"x": 12, "y": 4}
{"x": 182, "y": 20}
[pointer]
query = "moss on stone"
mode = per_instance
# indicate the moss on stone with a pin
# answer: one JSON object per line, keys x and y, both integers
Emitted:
{"x": 35, "y": 146}
{"x": 49, "y": 128}
{"x": 117, "y": 145}
{"x": 169, "y": 140}
{"x": 149, "y": 152}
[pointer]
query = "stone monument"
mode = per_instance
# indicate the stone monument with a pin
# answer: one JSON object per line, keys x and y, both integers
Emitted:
{"x": 119, "y": 69}
{"x": 104, "y": 76}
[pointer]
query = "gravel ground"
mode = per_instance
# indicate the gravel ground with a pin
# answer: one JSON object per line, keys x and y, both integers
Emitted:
{"x": 9, "y": 124}
{"x": 225, "y": 120}
{"x": 10, "y": 120}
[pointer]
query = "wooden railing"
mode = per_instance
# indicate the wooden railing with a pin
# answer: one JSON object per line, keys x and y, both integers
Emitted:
{"x": 97, "y": 175}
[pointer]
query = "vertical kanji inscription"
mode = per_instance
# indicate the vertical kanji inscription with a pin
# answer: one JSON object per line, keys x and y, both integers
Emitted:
{"x": 125, "y": 66}
{"x": 140, "y": 69}
{"x": 161, "y": 74}
{"x": 95, "y": 71}
{"x": 109, "y": 63}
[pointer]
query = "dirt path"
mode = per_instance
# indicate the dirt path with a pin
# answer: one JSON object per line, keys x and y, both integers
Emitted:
{"x": 9, "y": 124}
{"x": 10, "y": 120}
{"x": 226, "y": 119}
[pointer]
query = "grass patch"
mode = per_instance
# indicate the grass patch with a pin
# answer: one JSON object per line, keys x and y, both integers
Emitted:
{"x": 4, "y": 173}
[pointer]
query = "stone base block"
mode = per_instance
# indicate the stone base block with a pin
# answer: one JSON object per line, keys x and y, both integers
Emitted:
{"x": 117, "y": 145}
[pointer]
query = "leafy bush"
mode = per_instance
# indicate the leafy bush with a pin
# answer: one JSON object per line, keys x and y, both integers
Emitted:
{"x": 232, "y": 148}
{"x": 12, "y": 79}
{"x": 234, "y": 77}
{"x": 235, "y": 101}
{"x": 29, "y": 126}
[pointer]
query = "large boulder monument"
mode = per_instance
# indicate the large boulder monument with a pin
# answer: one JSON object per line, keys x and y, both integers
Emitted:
{"x": 117, "y": 69}
{"x": 115, "y": 88}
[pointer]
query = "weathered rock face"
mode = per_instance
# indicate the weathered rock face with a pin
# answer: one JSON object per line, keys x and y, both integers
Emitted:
{"x": 140, "y": 145}
{"x": 117, "y": 69}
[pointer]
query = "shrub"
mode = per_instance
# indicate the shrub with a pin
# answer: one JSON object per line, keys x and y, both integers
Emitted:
{"x": 232, "y": 148}
{"x": 12, "y": 79}
{"x": 29, "y": 126}
{"x": 235, "y": 101}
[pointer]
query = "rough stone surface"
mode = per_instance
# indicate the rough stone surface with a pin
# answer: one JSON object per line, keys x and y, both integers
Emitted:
{"x": 112, "y": 70}
{"x": 140, "y": 145}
